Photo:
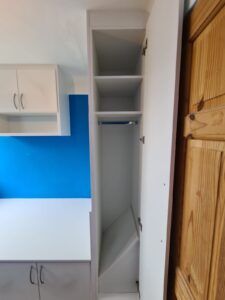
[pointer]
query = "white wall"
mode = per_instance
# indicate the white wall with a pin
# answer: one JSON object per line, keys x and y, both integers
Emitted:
{"x": 160, "y": 110}
{"x": 52, "y": 32}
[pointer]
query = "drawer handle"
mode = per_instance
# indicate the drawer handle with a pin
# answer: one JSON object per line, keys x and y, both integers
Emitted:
{"x": 31, "y": 273}
{"x": 21, "y": 101}
{"x": 14, "y": 101}
{"x": 41, "y": 275}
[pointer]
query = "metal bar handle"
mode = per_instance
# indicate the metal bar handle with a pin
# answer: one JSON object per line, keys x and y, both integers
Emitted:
{"x": 21, "y": 101}
{"x": 41, "y": 275}
{"x": 14, "y": 101}
{"x": 31, "y": 272}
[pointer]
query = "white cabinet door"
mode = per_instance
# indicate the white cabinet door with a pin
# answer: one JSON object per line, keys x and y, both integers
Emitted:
{"x": 37, "y": 90}
{"x": 67, "y": 281}
{"x": 8, "y": 91}
{"x": 18, "y": 281}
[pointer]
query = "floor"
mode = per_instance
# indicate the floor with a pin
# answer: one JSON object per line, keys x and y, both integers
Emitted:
{"x": 119, "y": 297}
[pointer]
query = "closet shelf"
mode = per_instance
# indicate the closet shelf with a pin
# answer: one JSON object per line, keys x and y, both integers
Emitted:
{"x": 118, "y": 86}
{"x": 118, "y": 240}
{"x": 118, "y": 115}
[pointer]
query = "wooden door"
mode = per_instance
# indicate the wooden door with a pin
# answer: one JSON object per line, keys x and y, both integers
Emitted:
{"x": 8, "y": 91}
{"x": 18, "y": 281}
{"x": 37, "y": 90}
{"x": 198, "y": 232}
{"x": 67, "y": 281}
{"x": 203, "y": 166}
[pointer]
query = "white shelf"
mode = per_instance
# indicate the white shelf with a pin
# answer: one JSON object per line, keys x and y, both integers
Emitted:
{"x": 118, "y": 115}
{"x": 118, "y": 86}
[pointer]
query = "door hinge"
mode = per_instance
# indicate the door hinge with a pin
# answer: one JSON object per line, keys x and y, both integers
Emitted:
{"x": 140, "y": 224}
{"x": 142, "y": 139}
{"x": 145, "y": 47}
{"x": 138, "y": 289}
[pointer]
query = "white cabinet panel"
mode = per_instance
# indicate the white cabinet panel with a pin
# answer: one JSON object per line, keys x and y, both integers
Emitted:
{"x": 37, "y": 89}
{"x": 8, "y": 91}
{"x": 67, "y": 281}
{"x": 15, "y": 281}
{"x": 61, "y": 228}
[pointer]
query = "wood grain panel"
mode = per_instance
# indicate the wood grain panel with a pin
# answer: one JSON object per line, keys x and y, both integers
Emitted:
{"x": 208, "y": 124}
{"x": 202, "y": 13}
{"x": 182, "y": 290}
{"x": 208, "y": 64}
{"x": 200, "y": 200}
{"x": 217, "y": 280}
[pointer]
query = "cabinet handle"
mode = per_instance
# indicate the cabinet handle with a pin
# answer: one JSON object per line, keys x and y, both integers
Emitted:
{"x": 21, "y": 101}
{"x": 14, "y": 101}
{"x": 31, "y": 272}
{"x": 41, "y": 275}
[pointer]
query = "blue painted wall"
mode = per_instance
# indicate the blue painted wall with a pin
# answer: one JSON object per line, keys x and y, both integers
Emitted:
{"x": 48, "y": 167}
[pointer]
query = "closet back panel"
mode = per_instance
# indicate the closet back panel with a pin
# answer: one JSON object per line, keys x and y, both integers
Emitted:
{"x": 118, "y": 52}
{"x": 117, "y": 171}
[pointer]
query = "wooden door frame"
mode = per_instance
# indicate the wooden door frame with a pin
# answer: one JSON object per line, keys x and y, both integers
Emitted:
{"x": 194, "y": 23}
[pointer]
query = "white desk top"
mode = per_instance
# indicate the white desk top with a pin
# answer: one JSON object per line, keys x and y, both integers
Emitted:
{"x": 45, "y": 229}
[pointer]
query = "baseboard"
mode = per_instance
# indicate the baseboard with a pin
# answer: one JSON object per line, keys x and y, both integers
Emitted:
{"x": 119, "y": 297}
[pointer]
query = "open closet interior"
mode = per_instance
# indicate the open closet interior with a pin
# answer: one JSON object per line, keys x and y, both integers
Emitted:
{"x": 115, "y": 108}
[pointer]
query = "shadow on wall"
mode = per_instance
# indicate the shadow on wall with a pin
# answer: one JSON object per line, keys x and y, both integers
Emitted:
{"x": 48, "y": 167}
{"x": 188, "y": 5}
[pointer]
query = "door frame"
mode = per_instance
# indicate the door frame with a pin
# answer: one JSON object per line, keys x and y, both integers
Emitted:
{"x": 196, "y": 20}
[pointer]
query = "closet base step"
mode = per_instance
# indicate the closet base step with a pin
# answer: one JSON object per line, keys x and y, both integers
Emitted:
{"x": 120, "y": 256}
{"x": 131, "y": 296}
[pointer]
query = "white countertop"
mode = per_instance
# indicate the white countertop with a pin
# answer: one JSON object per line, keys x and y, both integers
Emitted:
{"x": 45, "y": 229}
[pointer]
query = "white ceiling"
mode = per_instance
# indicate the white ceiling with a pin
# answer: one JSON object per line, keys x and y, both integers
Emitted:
{"x": 51, "y": 31}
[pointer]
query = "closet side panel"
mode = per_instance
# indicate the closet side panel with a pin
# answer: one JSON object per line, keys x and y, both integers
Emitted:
{"x": 95, "y": 168}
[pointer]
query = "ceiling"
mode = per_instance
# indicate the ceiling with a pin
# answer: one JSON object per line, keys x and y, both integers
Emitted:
{"x": 51, "y": 31}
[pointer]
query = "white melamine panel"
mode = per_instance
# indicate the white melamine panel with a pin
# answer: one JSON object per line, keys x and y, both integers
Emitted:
{"x": 118, "y": 93}
{"x": 15, "y": 281}
{"x": 64, "y": 281}
{"x": 119, "y": 256}
{"x": 131, "y": 296}
{"x": 45, "y": 229}
{"x": 118, "y": 52}
{"x": 118, "y": 115}
{"x": 118, "y": 19}
{"x": 124, "y": 86}
{"x": 38, "y": 90}
{"x": 159, "y": 123}
{"x": 116, "y": 171}
{"x": 8, "y": 91}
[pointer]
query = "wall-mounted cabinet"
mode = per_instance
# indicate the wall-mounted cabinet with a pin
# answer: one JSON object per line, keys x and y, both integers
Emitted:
{"x": 32, "y": 101}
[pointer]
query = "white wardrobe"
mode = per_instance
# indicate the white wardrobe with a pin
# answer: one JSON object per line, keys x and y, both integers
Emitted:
{"x": 134, "y": 77}
{"x": 117, "y": 47}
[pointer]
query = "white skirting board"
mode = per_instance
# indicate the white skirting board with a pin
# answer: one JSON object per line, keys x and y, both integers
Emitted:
{"x": 118, "y": 297}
